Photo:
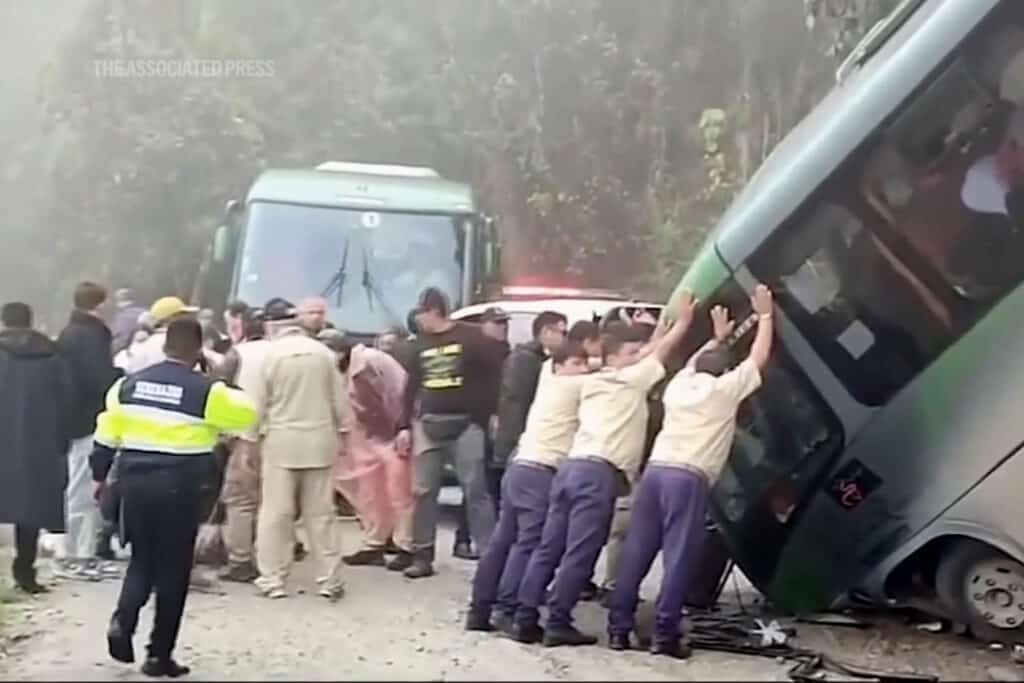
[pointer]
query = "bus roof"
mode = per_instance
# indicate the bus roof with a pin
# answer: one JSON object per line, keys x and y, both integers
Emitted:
{"x": 371, "y": 191}
{"x": 834, "y": 129}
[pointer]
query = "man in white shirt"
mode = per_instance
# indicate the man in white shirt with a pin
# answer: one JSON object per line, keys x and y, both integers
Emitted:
{"x": 551, "y": 424}
{"x": 605, "y": 455}
{"x": 670, "y": 503}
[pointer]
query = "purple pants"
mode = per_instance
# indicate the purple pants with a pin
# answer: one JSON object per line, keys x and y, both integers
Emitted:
{"x": 668, "y": 515}
{"x": 524, "y": 505}
{"x": 579, "y": 515}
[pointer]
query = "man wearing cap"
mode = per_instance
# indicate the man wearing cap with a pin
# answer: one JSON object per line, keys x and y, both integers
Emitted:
{"x": 151, "y": 351}
{"x": 302, "y": 418}
{"x": 454, "y": 373}
{"x": 494, "y": 324}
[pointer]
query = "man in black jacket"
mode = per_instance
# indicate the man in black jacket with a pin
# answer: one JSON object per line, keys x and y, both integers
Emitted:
{"x": 519, "y": 382}
{"x": 33, "y": 421}
{"x": 85, "y": 344}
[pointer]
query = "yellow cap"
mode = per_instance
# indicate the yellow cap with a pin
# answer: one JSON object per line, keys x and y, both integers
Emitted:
{"x": 168, "y": 307}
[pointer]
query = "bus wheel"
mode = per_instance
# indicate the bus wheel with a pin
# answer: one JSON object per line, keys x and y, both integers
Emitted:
{"x": 984, "y": 588}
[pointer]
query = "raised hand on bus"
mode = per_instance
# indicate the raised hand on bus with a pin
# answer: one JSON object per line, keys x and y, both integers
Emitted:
{"x": 721, "y": 323}
{"x": 762, "y": 300}
{"x": 763, "y": 304}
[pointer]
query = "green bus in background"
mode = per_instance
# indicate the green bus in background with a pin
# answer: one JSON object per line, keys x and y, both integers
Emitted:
{"x": 879, "y": 462}
{"x": 366, "y": 237}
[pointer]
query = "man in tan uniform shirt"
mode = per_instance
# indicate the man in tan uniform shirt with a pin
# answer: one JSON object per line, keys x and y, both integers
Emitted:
{"x": 301, "y": 410}
{"x": 696, "y": 437}
{"x": 605, "y": 455}
{"x": 551, "y": 425}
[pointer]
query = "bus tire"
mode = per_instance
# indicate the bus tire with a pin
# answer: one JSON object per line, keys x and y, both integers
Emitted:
{"x": 984, "y": 589}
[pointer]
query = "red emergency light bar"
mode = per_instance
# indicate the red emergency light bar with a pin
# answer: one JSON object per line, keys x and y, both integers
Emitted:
{"x": 540, "y": 292}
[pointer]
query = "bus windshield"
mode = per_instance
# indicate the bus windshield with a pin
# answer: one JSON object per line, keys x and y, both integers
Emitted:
{"x": 370, "y": 266}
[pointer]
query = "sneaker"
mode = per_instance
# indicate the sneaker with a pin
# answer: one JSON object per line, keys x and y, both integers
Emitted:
{"x": 269, "y": 589}
{"x": 75, "y": 571}
{"x": 400, "y": 562}
{"x": 332, "y": 593}
{"x": 367, "y": 557}
{"x": 419, "y": 569}
{"x": 240, "y": 573}
{"x": 106, "y": 570}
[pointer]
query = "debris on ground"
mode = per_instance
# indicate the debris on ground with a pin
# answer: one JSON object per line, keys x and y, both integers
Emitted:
{"x": 1005, "y": 673}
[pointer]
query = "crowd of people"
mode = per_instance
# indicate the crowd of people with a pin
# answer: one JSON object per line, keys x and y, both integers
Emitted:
{"x": 162, "y": 421}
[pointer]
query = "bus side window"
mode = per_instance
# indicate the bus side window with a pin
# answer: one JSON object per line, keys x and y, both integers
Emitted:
{"x": 909, "y": 243}
{"x": 959, "y": 150}
{"x": 861, "y": 311}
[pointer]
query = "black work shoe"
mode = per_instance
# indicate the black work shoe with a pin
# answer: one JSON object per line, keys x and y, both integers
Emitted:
{"x": 478, "y": 621}
{"x": 367, "y": 557}
{"x": 400, "y": 562}
{"x": 419, "y": 569}
{"x": 119, "y": 643}
{"x": 676, "y": 650}
{"x": 464, "y": 551}
{"x": 619, "y": 642}
{"x": 25, "y": 580}
{"x": 502, "y": 622}
{"x": 157, "y": 667}
{"x": 240, "y": 573}
{"x": 555, "y": 637}
{"x": 526, "y": 633}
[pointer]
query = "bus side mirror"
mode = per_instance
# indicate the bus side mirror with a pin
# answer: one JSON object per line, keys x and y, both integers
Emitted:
{"x": 232, "y": 209}
{"x": 221, "y": 243}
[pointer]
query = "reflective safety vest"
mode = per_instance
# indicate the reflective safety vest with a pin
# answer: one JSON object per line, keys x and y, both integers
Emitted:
{"x": 167, "y": 410}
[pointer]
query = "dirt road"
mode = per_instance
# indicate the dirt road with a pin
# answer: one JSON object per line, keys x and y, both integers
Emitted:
{"x": 388, "y": 627}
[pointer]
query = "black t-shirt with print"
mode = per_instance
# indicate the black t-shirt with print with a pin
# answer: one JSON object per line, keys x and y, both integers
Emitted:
{"x": 457, "y": 372}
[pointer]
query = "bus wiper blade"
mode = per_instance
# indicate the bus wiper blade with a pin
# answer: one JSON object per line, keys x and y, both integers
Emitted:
{"x": 337, "y": 282}
{"x": 370, "y": 285}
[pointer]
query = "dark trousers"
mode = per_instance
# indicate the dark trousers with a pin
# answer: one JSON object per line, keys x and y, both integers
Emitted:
{"x": 668, "y": 515}
{"x": 579, "y": 514}
{"x": 26, "y": 544}
{"x": 161, "y": 518}
{"x": 527, "y": 489}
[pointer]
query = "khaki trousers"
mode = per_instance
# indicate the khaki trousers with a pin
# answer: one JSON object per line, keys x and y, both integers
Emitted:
{"x": 616, "y": 538}
{"x": 241, "y": 496}
{"x": 286, "y": 493}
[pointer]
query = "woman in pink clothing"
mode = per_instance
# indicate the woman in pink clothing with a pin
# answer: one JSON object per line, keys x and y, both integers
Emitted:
{"x": 372, "y": 474}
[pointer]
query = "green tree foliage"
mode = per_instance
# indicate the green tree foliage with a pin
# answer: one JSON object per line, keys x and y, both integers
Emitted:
{"x": 608, "y": 135}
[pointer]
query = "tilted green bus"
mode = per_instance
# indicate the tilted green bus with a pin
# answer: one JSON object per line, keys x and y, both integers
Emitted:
{"x": 880, "y": 459}
{"x": 366, "y": 237}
